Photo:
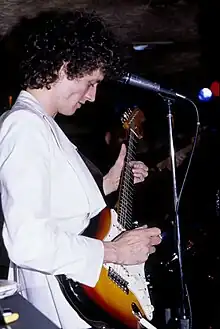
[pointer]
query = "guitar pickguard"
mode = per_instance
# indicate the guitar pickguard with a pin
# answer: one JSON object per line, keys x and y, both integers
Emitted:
{"x": 131, "y": 277}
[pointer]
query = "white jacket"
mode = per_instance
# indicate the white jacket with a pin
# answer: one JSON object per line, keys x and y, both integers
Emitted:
{"x": 48, "y": 197}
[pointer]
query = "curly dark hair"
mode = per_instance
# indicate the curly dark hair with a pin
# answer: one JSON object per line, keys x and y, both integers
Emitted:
{"x": 81, "y": 39}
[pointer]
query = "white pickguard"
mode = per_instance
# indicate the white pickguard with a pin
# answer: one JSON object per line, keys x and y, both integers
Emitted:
{"x": 134, "y": 274}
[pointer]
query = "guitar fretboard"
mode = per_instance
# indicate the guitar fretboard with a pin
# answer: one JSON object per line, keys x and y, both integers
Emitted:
{"x": 126, "y": 190}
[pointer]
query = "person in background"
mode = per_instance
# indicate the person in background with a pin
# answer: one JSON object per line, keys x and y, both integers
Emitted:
{"x": 48, "y": 194}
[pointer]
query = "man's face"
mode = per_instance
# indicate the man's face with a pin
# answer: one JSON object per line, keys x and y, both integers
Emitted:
{"x": 71, "y": 94}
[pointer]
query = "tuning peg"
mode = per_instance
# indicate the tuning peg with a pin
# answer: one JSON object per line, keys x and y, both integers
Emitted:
{"x": 124, "y": 117}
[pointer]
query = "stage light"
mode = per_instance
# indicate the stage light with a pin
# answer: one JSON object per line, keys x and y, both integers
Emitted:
{"x": 205, "y": 95}
{"x": 140, "y": 47}
{"x": 215, "y": 88}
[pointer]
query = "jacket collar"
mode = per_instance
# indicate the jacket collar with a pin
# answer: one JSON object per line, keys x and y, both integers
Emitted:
{"x": 35, "y": 107}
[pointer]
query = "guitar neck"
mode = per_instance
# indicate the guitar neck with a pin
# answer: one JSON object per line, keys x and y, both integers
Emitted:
{"x": 126, "y": 188}
{"x": 164, "y": 164}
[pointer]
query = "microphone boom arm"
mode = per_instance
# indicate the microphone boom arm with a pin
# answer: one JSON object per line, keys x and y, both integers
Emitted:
{"x": 134, "y": 80}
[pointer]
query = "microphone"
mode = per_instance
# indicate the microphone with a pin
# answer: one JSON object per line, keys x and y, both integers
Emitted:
{"x": 134, "y": 80}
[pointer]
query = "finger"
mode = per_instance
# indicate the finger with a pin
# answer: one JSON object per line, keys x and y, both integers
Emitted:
{"x": 155, "y": 240}
{"x": 139, "y": 176}
{"x": 140, "y": 172}
{"x": 121, "y": 155}
{"x": 152, "y": 250}
{"x": 139, "y": 179}
{"x": 146, "y": 232}
{"x": 138, "y": 165}
{"x": 153, "y": 231}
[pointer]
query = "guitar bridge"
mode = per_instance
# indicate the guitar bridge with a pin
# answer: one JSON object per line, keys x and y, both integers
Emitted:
{"x": 117, "y": 279}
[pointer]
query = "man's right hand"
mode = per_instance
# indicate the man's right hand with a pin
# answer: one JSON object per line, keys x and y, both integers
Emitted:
{"x": 132, "y": 247}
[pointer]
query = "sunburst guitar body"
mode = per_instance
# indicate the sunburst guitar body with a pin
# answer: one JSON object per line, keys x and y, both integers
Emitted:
{"x": 121, "y": 296}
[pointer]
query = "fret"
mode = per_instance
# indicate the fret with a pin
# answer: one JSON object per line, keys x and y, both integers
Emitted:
{"x": 126, "y": 189}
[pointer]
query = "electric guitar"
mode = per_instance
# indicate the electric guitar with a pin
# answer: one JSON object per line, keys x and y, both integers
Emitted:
{"x": 180, "y": 156}
{"x": 121, "y": 298}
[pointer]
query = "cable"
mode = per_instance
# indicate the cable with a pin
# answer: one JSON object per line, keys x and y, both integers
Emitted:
{"x": 180, "y": 195}
{"x": 191, "y": 154}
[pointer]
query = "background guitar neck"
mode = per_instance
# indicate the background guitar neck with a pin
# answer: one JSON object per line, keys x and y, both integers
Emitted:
{"x": 165, "y": 164}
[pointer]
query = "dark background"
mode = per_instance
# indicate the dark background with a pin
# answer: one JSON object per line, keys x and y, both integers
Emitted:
{"x": 182, "y": 53}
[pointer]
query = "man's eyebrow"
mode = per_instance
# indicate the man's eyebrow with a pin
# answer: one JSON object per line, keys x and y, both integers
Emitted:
{"x": 95, "y": 81}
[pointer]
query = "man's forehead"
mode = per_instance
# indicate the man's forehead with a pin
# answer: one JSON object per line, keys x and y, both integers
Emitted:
{"x": 96, "y": 75}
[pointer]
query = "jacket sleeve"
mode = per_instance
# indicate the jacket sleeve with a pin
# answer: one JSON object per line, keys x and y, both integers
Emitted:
{"x": 25, "y": 191}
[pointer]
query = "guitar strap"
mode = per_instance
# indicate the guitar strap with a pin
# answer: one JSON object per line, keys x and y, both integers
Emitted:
{"x": 96, "y": 173}
{"x": 110, "y": 199}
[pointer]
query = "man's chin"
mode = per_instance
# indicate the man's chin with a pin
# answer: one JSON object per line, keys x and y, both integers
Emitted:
{"x": 74, "y": 109}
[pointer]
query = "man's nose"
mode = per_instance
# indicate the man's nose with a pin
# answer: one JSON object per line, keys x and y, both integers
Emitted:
{"x": 91, "y": 94}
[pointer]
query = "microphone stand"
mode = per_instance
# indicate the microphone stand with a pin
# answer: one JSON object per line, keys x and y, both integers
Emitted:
{"x": 181, "y": 322}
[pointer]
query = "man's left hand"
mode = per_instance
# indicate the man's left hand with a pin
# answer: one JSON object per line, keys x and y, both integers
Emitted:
{"x": 112, "y": 179}
{"x": 140, "y": 171}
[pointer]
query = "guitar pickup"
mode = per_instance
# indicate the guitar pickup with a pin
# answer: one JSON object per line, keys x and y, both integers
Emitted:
{"x": 117, "y": 279}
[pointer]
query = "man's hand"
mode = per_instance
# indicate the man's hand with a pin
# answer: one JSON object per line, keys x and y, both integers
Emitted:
{"x": 132, "y": 247}
{"x": 112, "y": 179}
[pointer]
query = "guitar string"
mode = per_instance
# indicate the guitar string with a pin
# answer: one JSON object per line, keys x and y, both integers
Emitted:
{"x": 128, "y": 184}
{"x": 127, "y": 189}
{"x": 125, "y": 212}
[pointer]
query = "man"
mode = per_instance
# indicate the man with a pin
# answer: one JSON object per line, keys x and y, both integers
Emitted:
{"x": 48, "y": 194}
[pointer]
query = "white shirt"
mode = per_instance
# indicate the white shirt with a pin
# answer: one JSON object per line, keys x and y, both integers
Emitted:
{"x": 48, "y": 197}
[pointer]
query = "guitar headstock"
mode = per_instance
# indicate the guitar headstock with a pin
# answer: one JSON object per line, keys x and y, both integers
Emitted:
{"x": 132, "y": 119}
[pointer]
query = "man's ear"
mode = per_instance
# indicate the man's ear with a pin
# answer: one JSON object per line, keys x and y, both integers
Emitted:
{"x": 62, "y": 71}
